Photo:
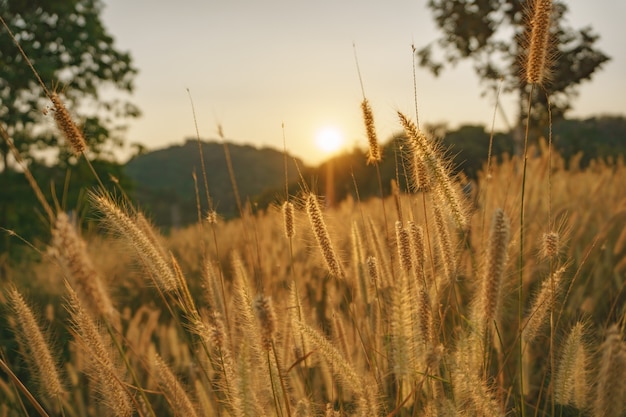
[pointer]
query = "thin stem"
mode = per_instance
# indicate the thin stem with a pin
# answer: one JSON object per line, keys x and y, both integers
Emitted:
{"x": 281, "y": 379}
{"x": 552, "y": 330}
{"x": 279, "y": 411}
{"x": 204, "y": 175}
{"x": 16, "y": 381}
{"x": 95, "y": 174}
{"x": 417, "y": 118}
{"x": 28, "y": 62}
{"x": 552, "y": 289}
{"x": 382, "y": 201}
{"x": 521, "y": 258}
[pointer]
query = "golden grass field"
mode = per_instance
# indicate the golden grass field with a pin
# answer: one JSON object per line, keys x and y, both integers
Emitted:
{"x": 417, "y": 316}
{"x": 504, "y": 298}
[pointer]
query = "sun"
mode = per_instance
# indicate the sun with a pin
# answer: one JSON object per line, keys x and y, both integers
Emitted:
{"x": 329, "y": 139}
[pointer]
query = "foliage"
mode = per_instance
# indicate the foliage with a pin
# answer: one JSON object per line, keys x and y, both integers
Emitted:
{"x": 69, "y": 47}
{"x": 596, "y": 137}
{"x": 67, "y": 185}
{"x": 165, "y": 185}
{"x": 480, "y": 31}
{"x": 73, "y": 53}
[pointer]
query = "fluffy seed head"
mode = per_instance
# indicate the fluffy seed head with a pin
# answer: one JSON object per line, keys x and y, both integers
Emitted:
{"x": 39, "y": 351}
{"x": 70, "y": 249}
{"x": 419, "y": 172}
{"x": 495, "y": 262}
{"x": 417, "y": 244}
{"x": 425, "y": 317}
{"x": 372, "y": 270}
{"x": 571, "y": 380}
{"x": 216, "y": 336}
{"x": 267, "y": 319}
{"x": 288, "y": 219}
{"x": 108, "y": 378}
{"x": 173, "y": 389}
{"x": 446, "y": 250}
{"x": 374, "y": 155}
{"x": 151, "y": 256}
{"x": 536, "y": 65}
{"x": 439, "y": 176}
{"x": 542, "y": 305}
{"x": 550, "y": 247}
{"x": 323, "y": 238}
{"x": 404, "y": 247}
{"x": 611, "y": 386}
{"x": 66, "y": 126}
{"x": 211, "y": 217}
{"x": 402, "y": 339}
{"x": 340, "y": 366}
{"x": 216, "y": 332}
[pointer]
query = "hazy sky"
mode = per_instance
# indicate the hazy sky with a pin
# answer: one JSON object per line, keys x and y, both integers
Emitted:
{"x": 252, "y": 65}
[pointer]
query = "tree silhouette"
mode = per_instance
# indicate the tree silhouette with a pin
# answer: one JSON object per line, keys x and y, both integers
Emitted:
{"x": 73, "y": 53}
{"x": 492, "y": 34}
{"x": 76, "y": 57}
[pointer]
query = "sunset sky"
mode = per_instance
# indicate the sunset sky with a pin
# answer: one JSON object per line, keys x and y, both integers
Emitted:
{"x": 253, "y": 65}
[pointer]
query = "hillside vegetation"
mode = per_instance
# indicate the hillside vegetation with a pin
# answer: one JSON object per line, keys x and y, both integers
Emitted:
{"x": 164, "y": 185}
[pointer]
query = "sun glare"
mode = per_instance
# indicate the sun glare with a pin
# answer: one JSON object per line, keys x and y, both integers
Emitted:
{"x": 329, "y": 139}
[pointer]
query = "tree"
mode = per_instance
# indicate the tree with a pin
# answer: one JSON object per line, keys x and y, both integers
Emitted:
{"x": 74, "y": 55}
{"x": 469, "y": 146}
{"x": 70, "y": 49}
{"x": 480, "y": 30}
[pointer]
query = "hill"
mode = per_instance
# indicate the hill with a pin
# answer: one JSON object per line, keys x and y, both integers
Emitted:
{"x": 164, "y": 185}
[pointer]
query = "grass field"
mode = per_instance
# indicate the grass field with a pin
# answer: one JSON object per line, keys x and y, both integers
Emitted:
{"x": 368, "y": 308}
{"x": 499, "y": 297}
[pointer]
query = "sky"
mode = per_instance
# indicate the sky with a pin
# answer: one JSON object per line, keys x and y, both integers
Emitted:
{"x": 253, "y": 67}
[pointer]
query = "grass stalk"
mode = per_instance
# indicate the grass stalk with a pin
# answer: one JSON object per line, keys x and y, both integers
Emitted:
{"x": 520, "y": 293}
{"x": 20, "y": 386}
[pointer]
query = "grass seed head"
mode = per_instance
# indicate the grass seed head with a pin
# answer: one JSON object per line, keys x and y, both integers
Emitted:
{"x": 172, "y": 388}
{"x": 372, "y": 270}
{"x": 105, "y": 373}
{"x": 542, "y": 305}
{"x": 288, "y": 219}
{"x": 267, "y": 319}
{"x": 495, "y": 263}
{"x": 404, "y": 247}
{"x": 71, "y": 251}
{"x": 416, "y": 234}
{"x": 323, "y": 238}
{"x": 37, "y": 345}
{"x": 571, "y": 380}
{"x": 211, "y": 217}
{"x": 438, "y": 172}
{"x": 374, "y": 155}
{"x": 611, "y": 385}
{"x": 537, "y": 61}
{"x": 550, "y": 245}
{"x": 66, "y": 126}
{"x": 151, "y": 255}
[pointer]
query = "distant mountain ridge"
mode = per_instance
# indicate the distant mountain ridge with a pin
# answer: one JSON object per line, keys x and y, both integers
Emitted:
{"x": 164, "y": 185}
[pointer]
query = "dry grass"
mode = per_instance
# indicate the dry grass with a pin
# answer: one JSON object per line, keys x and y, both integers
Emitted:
{"x": 301, "y": 311}
{"x": 399, "y": 331}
